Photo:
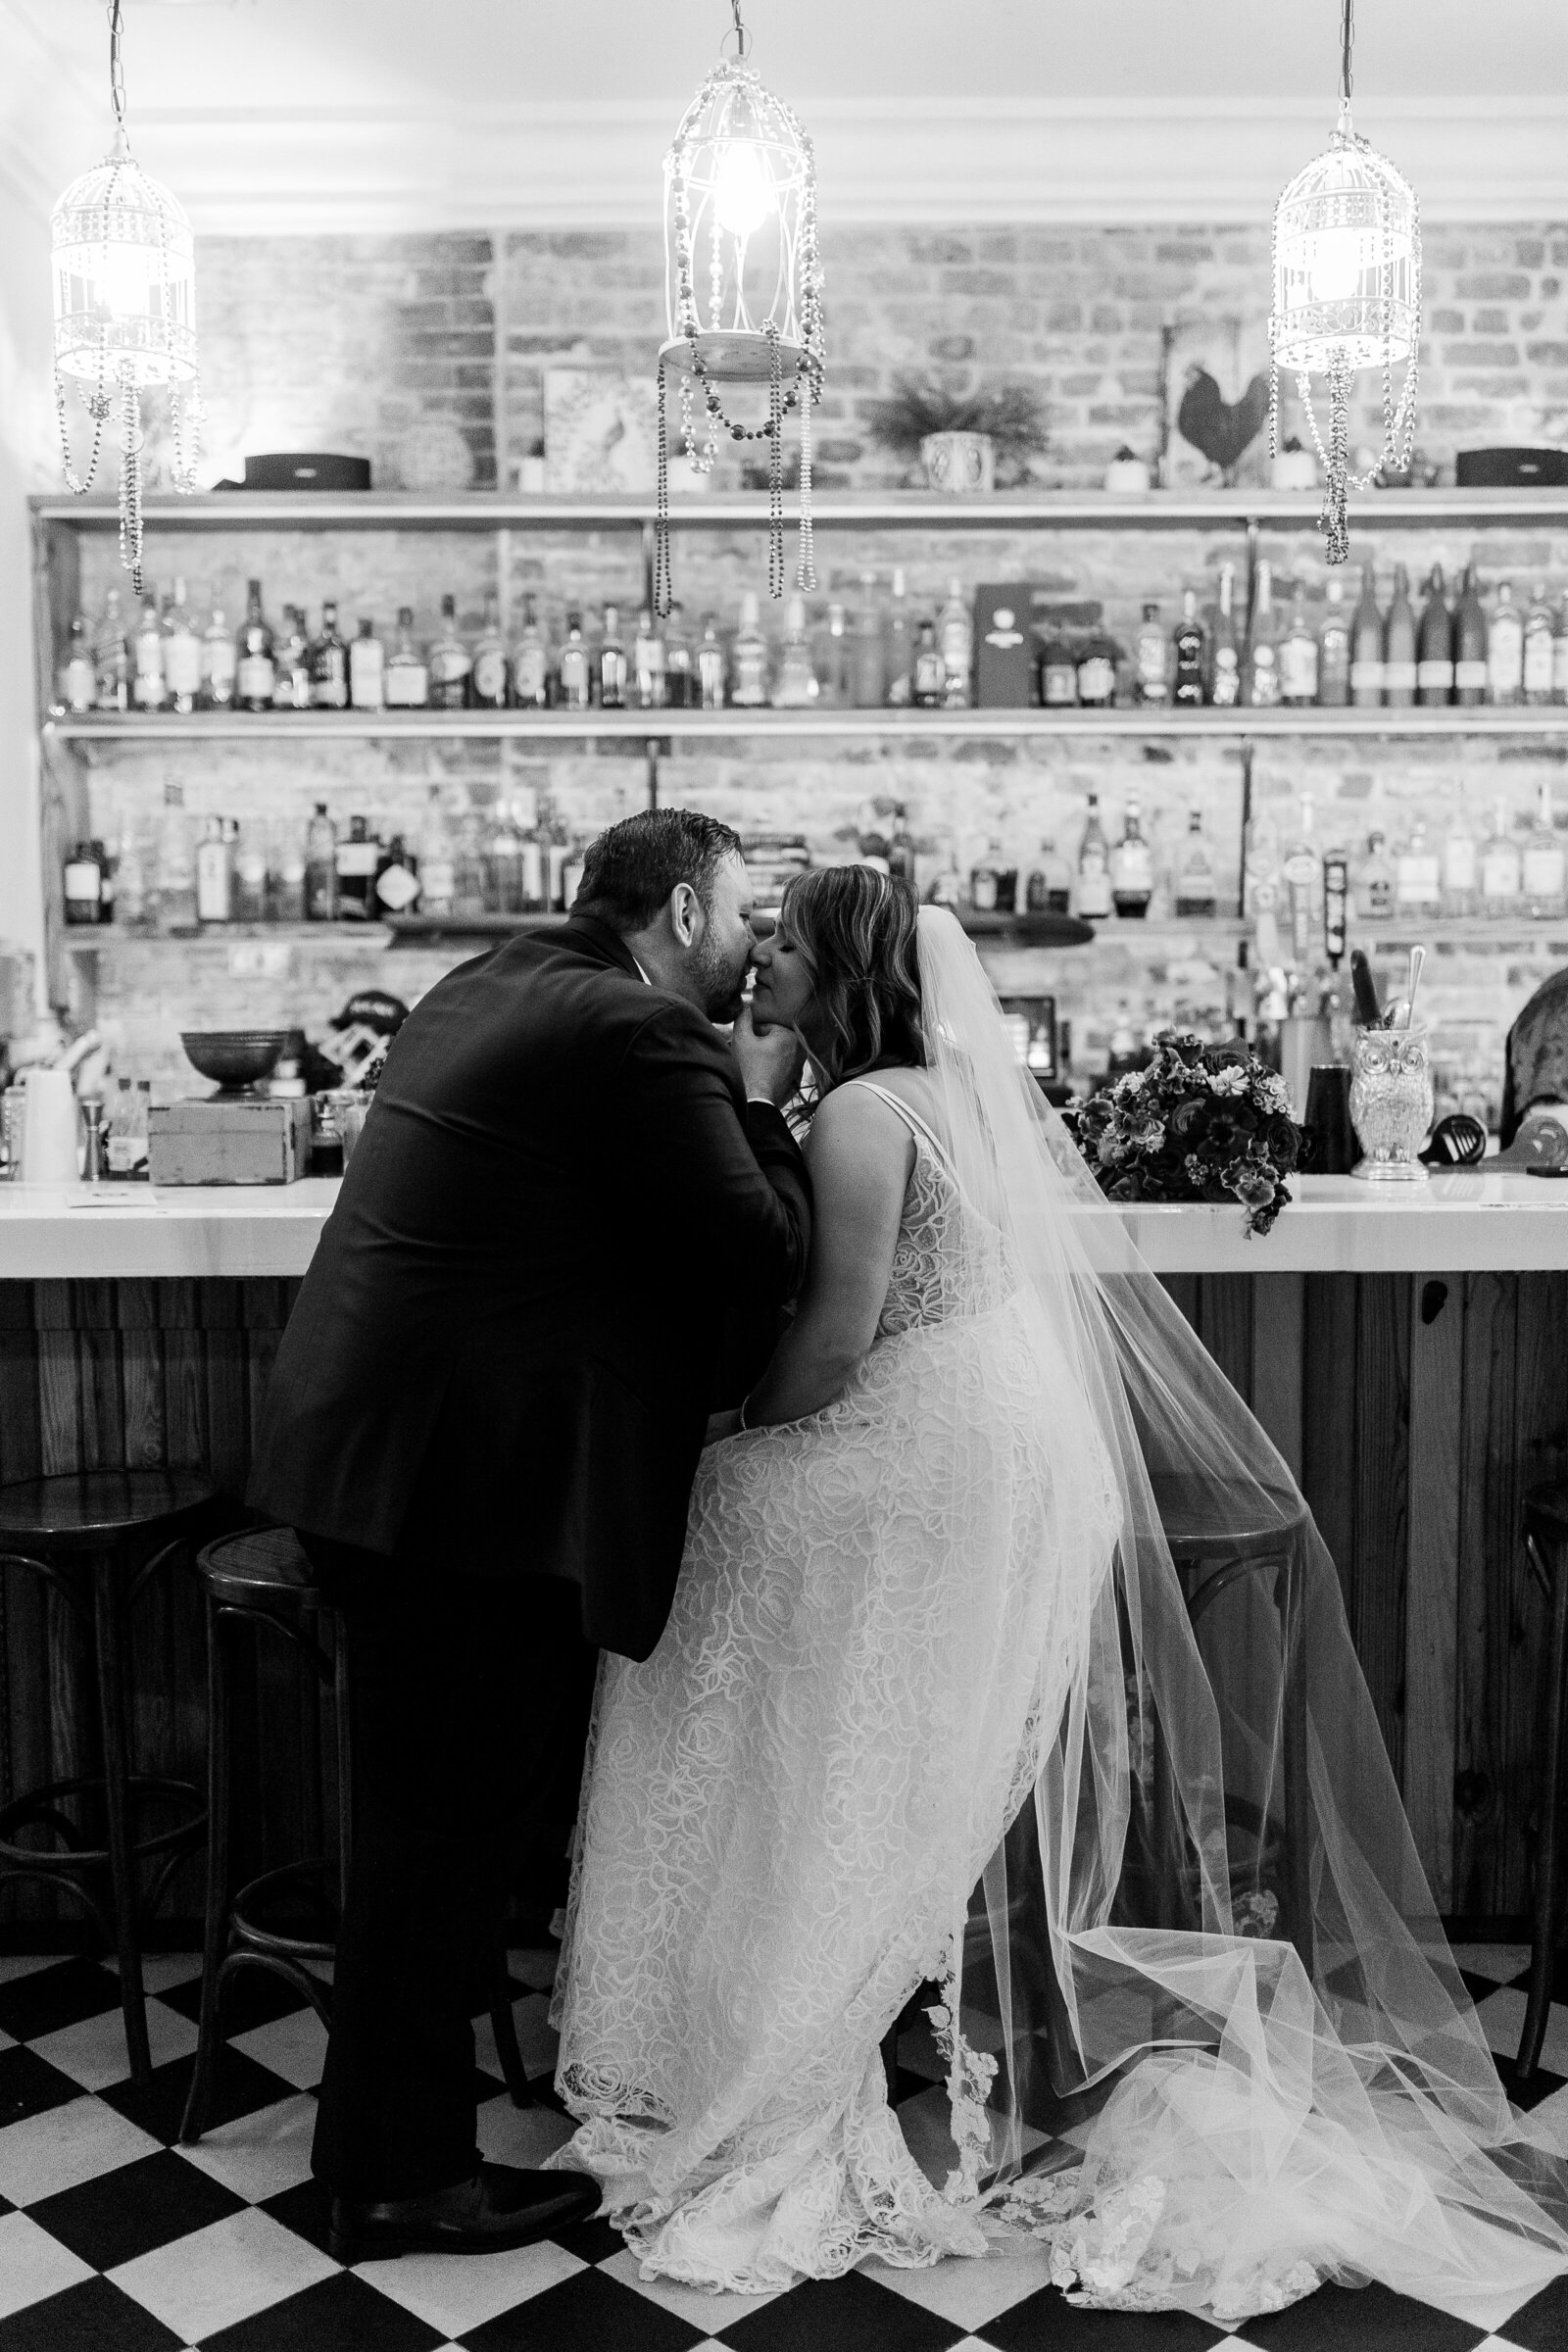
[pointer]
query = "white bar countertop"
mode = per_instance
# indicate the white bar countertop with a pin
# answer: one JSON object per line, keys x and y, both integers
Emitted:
{"x": 1464, "y": 1221}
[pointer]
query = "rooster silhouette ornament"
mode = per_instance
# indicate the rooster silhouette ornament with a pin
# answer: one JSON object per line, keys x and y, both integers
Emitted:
{"x": 1221, "y": 430}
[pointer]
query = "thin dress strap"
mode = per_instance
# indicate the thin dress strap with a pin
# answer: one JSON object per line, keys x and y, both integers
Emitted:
{"x": 909, "y": 1115}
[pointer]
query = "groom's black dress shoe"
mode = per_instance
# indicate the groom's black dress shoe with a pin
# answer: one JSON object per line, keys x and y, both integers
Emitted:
{"x": 499, "y": 2208}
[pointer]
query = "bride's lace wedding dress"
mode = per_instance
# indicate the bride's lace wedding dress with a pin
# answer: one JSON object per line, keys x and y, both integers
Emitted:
{"x": 788, "y": 1804}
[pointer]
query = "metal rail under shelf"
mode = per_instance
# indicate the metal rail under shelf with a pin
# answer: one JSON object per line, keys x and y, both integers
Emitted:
{"x": 875, "y": 510}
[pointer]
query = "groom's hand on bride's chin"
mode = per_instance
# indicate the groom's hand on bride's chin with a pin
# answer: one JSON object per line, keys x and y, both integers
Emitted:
{"x": 770, "y": 1059}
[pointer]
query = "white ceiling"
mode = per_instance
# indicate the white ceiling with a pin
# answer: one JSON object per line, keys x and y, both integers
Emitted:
{"x": 404, "y": 113}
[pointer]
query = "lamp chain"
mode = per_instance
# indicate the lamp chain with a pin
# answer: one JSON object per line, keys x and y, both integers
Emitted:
{"x": 117, "y": 71}
{"x": 1346, "y": 39}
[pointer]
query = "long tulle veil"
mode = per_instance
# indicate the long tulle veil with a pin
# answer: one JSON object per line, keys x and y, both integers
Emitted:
{"x": 1206, "y": 1930}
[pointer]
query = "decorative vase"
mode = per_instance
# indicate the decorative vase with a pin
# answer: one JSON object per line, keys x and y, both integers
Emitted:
{"x": 1391, "y": 1103}
{"x": 959, "y": 463}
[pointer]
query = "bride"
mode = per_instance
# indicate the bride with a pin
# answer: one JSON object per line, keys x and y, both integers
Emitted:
{"x": 930, "y": 1710}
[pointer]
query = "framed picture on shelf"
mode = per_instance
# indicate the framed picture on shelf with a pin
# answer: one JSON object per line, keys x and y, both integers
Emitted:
{"x": 1214, "y": 401}
{"x": 601, "y": 430}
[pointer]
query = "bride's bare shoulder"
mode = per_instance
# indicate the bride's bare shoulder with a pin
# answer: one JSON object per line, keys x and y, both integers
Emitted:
{"x": 856, "y": 1122}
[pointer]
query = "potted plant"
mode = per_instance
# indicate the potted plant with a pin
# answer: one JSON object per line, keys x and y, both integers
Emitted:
{"x": 963, "y": 440}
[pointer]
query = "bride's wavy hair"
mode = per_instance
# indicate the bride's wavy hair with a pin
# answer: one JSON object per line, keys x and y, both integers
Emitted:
{"x": 856, "y": 928}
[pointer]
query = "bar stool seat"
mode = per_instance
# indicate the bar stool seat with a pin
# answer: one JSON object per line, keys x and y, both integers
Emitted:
{"x": 88, "y": 1535}
{"x": 1545, "y": 1534}
{"x": 264, "y": 1576}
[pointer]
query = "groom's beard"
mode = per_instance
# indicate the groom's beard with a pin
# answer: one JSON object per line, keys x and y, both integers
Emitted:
{"x": 721, "y": 979}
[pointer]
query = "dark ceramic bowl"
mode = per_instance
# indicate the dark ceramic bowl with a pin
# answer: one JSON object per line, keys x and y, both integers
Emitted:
{"x": 235, "y": 1060}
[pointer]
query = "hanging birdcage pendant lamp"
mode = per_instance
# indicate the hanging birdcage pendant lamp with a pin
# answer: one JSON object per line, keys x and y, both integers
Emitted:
{"x": 124, "y": 302}
{"x": 743, "y": 288}
{"x": 1348, "y": 296}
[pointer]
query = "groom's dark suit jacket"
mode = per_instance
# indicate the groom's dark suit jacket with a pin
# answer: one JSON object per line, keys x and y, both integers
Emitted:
{"x": 560, "y": 1210}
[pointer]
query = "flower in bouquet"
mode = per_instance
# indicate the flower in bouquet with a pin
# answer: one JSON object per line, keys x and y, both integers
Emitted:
{"x": 1201, "y": 1122}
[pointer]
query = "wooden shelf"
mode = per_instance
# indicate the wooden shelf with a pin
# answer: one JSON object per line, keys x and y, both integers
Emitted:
{"x": 873, "y": 509}
{"x": 696, "y": 727}
{"x": 90, "y": 937}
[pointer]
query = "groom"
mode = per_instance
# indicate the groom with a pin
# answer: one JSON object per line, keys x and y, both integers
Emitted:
{"x": 484, "y": 1420}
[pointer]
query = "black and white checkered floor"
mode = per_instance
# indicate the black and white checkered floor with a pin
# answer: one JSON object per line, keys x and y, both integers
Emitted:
{"x": 114, "y": 2240}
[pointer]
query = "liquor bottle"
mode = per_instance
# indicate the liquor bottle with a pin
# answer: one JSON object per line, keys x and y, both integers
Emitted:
{"x": 329, "y": 665}
{"x": 1224, "y": 658}
{"x": 535, "y": 853}
{"x": 83, "y": 884}
{"x": 214, "y": 874}
{"x": 649, "y": 685}
{"x": 835, "y": 661}
{"x": 710, "y": 667}
{"x": 397, "y": 885}
{"x": 220, "y": 664}
{"x": 1189, "y": 653}
{"x": 291, "y": 662}
{"x": 78, "y": 677}
{"x": 450, "y": 663}
{"x": 1545, "y": 861}
{"x": 149, "y": 687}
{"x": 902, "y": 851}
{"x": 1559, "y": 651}
{"x": 1537, "y": 662}
{"x": 871, "y": 832}
{"x": 1151, "y": 686}
{"x": 437, "y": 867}
{"x": 610, "y": 664}
{"x": 1434, "y": 652}
{"x": 174, "y": 871}
{"x": 1298, "y": 656}
{"x": 406, "y": 676}
{"x": 1196, "y": 898}
{"x": 749, "y": 657}
{"x": 993, "y": 883}
{"x": 1048, "y": 890}
{"x": 1132, "y": 865}
{"x": 489, "y": 677}
{"x": 1469, "y": 643}
{"x": 898, "y": 645}
{"x": 947, "y": 884}
{"x": 1059, "y": 673}
{"x": 1418, "y": 873}
{"x": 1374, "y": 896}
{"x": 131, "y": 881}
{"x": 678, "y": 682}
{"x": 1094, "y": 868}
{"x": 928, "y": 674}
{"x": 1302, "y": 869}
{"x": 357, "y": 858}
{"x": 1398, "y": 646}
{"x": 870, "y": 675}
{"x": 797, "y": 679}
{"x": 1366, "y": 646}
{"x": 112, "y": 658}
{"x": 182, "y": 655}
{"x": 1334, "y": 649}
{"x": 1505, "y": 649}
{"x": 1501, "y": 867}
{"x": 249, "y": 875}
{"x": 1336, "y": 905}
{"x": 368, "y": 669}
{"x": 1460, "y": 862}
{"x": 556, "y": 847}
{"x": 955, "y": 636}
{"x": 125, "y": 1131}
{"x": 254, "y": 672}
{"x": 321, "y": 868}
{"x": 1263, "y": 682}
{"x": 285, "y": 877}
{"x": 530, "y": 673}
{"x": 1096, "y": 670}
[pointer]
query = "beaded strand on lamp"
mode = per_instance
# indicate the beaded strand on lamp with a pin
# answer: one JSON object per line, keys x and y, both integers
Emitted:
{"x": 124, "y": 303}
{"x": 1346, "y": 295}
{"x": 741, "y": 174}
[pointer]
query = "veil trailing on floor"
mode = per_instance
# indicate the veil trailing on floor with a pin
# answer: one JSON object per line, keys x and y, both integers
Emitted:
{"x": 1206, "y": 1934}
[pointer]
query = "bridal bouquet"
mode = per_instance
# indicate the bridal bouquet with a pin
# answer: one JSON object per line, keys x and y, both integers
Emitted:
{"x": 1201, "y": 1123}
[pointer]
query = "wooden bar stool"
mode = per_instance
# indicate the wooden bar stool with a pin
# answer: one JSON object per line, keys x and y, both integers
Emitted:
{"x": 263, "y": 1577}
{"x": 1545, "y": 1530}
{"x": 88, "y": 1538}
{"x": 1262, "y": 1543}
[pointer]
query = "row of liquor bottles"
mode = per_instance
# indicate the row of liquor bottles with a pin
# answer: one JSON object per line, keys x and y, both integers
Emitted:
{"x": 883, "y": 653}
{"x": 521, "y": 858}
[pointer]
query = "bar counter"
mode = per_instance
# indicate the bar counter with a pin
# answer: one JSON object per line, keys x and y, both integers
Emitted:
{"x": 1463, "y": 1220}
{"x": 1406, "y": 1349}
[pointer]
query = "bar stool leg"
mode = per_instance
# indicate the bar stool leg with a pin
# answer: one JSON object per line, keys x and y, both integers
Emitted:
{"x": 108, "y": 1629}
{"x": 215, "y": 1931}
{"x": 1542, "y": 1952}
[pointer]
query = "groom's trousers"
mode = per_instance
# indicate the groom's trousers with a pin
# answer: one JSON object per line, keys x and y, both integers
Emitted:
{"x": 470, "y": 1703}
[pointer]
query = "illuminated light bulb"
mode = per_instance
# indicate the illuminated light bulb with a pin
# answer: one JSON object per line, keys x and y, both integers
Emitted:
{"x": 121, "y": 276}
{"x": 1336, "y": 266}
{"x": 743, "y": 190}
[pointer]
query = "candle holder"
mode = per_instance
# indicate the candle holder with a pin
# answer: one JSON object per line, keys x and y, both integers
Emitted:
{"x": 1391, "y": 1103}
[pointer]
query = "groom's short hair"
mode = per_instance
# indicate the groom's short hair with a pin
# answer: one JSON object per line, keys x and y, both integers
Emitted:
{"x": 629, "y": 873}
